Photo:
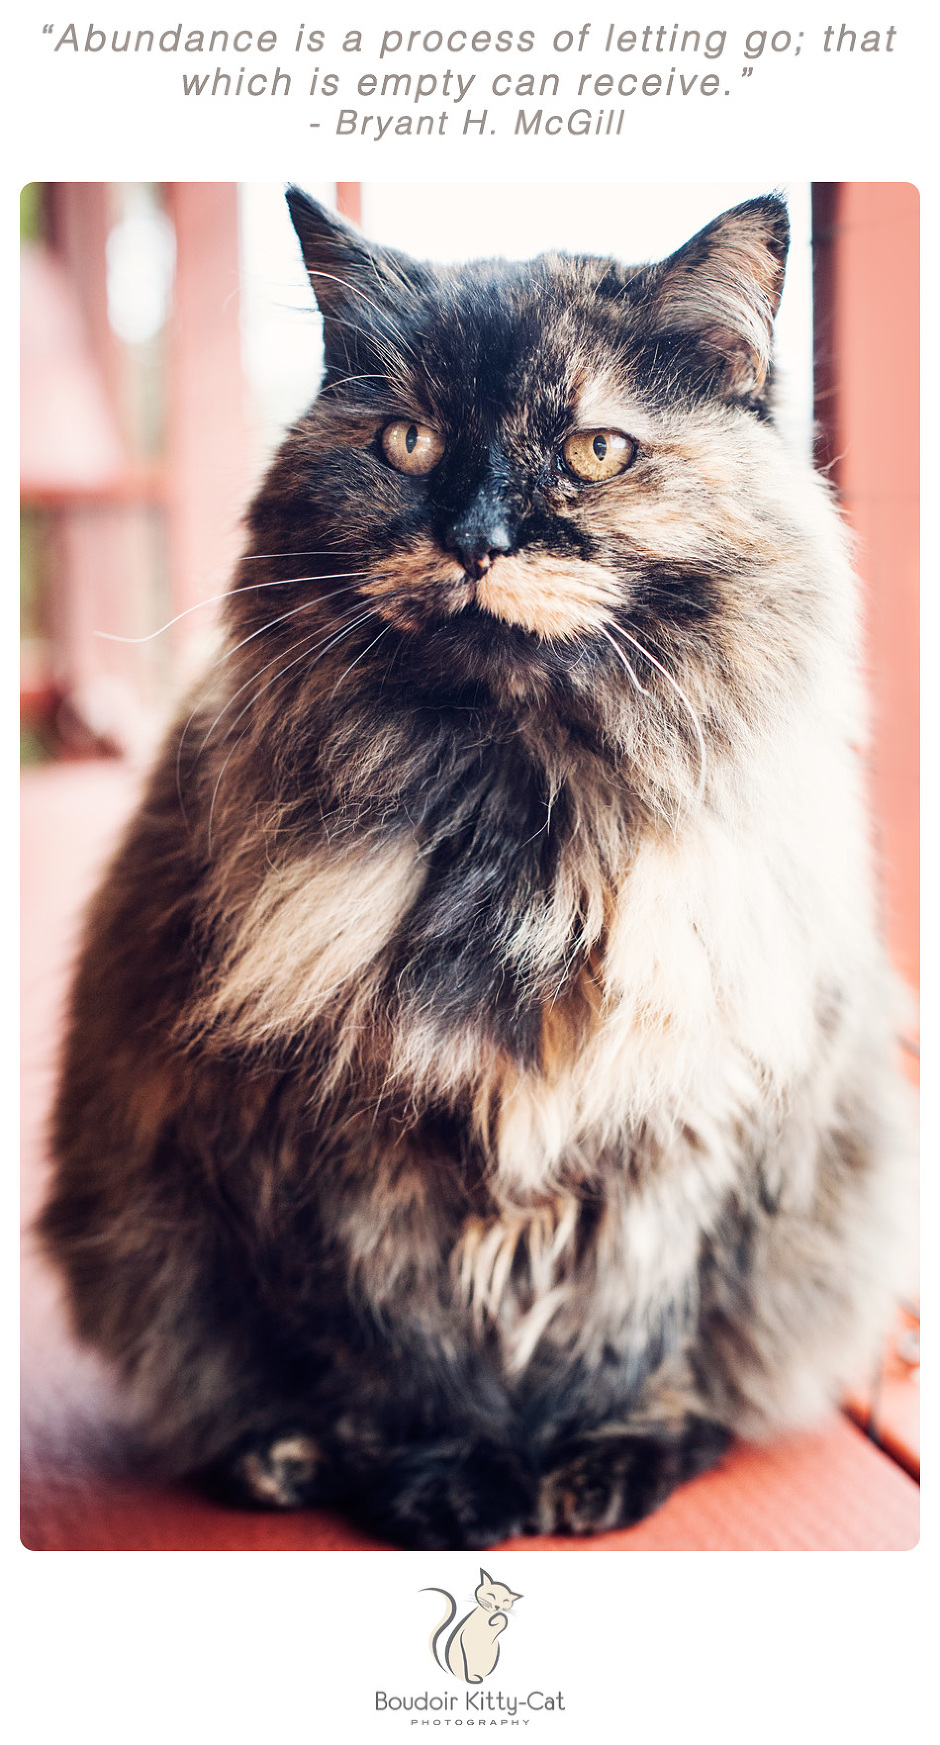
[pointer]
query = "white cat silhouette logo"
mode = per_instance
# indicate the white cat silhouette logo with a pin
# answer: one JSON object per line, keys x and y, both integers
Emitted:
{"x": 472, "y": 1648}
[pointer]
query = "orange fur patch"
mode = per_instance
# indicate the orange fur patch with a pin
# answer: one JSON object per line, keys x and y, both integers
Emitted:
{"x": 416, "y": 581}
{"x": 556, "y": 598}
{"x": 421, "y": 564}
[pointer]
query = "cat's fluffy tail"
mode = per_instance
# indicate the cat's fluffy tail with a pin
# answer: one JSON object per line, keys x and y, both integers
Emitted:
{"x": 442, "y": 1626}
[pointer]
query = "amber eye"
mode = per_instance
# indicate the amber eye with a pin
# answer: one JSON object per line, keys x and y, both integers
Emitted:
{"x": 594, "y": 455}
{"x": 412, "y": 447}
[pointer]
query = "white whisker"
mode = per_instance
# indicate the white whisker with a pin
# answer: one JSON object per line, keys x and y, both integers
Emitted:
{"x": 366, "y": 376}
{"x": 252, "y": 700}
{"x": 703, "y": 756}
{"x": 357, "y": 291}
{"x": 359, "y": 657}
{"x": 234, "y": 698}
{"x": 247, "y": 588}
{"x": 306, "y": 605}
{"x": 314, "y": 551}
{"x": 624, "y": 662}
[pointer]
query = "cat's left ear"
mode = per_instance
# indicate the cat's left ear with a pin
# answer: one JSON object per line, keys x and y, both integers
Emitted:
{"x": 722, "y": 290}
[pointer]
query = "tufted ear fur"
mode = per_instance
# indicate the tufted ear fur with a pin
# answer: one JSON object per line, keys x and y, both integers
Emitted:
{"x": 335, "y": 255}
{"x": 721, "y": 292}
{"x": 360, "y": 287}
{"x": 342, "y": 264}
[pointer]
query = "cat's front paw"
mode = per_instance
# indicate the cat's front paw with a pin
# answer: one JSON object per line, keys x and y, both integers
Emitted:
{"x": 613, "y": 1478}
{"x": 447, "y": 1496}
{"x": 280, "y": 1471}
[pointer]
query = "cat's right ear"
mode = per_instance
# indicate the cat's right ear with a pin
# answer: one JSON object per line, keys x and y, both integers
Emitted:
{"x": 344, "y": 268}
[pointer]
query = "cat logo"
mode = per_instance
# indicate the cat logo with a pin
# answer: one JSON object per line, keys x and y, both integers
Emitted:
{"x": 471, "y": 1650}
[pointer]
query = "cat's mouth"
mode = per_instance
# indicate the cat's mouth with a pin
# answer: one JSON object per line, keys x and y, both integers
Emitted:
{"x": 557, "y": 599}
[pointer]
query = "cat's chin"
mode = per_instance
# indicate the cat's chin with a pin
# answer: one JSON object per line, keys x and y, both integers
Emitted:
{"x": 473, "y": 646}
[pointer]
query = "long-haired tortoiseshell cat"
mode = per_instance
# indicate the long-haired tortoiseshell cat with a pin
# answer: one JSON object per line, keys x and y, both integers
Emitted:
{"x": 478, "y": 1100}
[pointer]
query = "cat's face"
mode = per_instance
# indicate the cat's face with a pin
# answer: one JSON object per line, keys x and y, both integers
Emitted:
{"x": 518, "y": 445}
{"x": 540, "y": 481}
{"x": 494, "y": 1596}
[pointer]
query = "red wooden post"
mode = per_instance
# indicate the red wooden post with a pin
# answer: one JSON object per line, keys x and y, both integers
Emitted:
{"x": 349, "y": 200}
{"x": 208, "y": 450}
{"x": 867, "y": 290}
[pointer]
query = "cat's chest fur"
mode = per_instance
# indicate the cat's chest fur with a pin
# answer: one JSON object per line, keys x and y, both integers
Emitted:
{"x": 609, "y": 1133}
{"x": 533, "y": 952}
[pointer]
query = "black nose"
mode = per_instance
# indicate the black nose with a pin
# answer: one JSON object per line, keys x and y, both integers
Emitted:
{"x": 481, "y": 533}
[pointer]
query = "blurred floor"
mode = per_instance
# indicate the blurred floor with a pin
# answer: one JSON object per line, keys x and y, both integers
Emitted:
{"x": 829, "y": 1491}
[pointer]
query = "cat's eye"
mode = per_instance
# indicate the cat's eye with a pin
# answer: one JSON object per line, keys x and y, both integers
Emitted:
{"x": 595, "y": 455}
{"x": 412, "y": 447}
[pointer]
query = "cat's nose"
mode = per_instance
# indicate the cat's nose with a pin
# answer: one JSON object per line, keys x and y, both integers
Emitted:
{"x": 477, "y": 559}
{"x": 484, "y": 532}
